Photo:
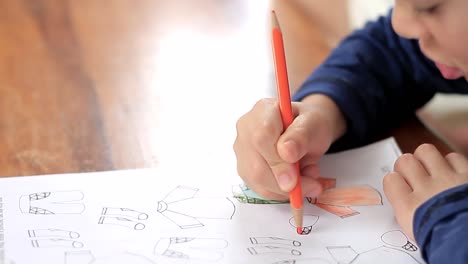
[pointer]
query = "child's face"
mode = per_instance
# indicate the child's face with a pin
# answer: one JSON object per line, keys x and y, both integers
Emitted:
{"x": 441, "y": 26}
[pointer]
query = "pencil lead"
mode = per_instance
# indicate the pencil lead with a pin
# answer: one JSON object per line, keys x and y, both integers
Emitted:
{"x": 299, "y": 231}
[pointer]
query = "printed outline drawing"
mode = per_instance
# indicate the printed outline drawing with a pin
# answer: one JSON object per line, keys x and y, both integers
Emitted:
{"x": 338, "y": 200}
{"x": 53, "y": 232}
{"x": 269, "y": 245}
{"x": 185, "y": 208}
{"x": 52, "y": 237}
{"x": 191, "y": 249}
{"x": 126, "y": 212}
{"x": 275, "y": 240}
{"x": 396, "y": 238}
{"x": 243, "y": 194}
{"x": 87, "y": 257}
{"x": 308, "y": 223}
{"x": 124, "y": 217}
{"x": 303, "y": 261}
{"x": 260, "y": 250}
{"x": 52, "y": 203}
{"x": 384, "y": 254}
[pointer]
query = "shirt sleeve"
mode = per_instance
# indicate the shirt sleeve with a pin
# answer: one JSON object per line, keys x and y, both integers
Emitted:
{"x": 377, "y": 79}
{"x": 441, "y": 227}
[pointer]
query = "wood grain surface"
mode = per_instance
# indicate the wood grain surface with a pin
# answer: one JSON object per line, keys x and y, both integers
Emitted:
{"x": 105, "y": 85}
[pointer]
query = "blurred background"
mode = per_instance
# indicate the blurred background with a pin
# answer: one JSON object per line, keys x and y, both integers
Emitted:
{"x": 100, "y": 85}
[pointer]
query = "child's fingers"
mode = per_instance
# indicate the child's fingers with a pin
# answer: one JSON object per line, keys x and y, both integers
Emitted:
{"x": 284, "y": 173}
{"x": 412, "y": 170}
{"x": 311, "y": 187}
{"x": 400, "y": 196}
{"x": 432, "y": 160}
{"x": 302, "y": 138}
{"x": 267, "y": 194}
{"x": 263, "y": 136}
{"x": 458, "y": 162}
{"x": 395, "y": 186}
{"x": 259, "y": 177}
{"x": 311, "y": 171}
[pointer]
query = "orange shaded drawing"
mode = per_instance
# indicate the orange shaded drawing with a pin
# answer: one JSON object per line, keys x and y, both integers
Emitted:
{"x": 337, "y": 200}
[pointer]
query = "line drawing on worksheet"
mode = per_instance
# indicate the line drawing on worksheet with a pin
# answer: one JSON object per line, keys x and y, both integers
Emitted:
{"x": 335, "y": 200}
{"x": 189, "y": 218}
{"x": 396, "y": 238}
{"x": 52, "y": 237}
{"x": 275, "y": 240}
{"x": 274, "y": 245}
{"x": 308, "y": 221}
{"x": 87, "y": 257}
{"x": 191, "y": 249}
{"x": 338, "y": 200}
{"x": 185, "y": 207}
{"x": 303, "y": 261}
{"x": 52, "y": 203}
{"x": 384, "y": 254}
{"x": 124, "y": 217}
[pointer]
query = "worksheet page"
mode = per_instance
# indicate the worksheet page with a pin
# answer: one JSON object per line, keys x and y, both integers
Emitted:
{"x": 184, "y": 213}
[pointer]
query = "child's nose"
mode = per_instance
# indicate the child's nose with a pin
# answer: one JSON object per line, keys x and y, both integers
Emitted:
{"x": 406, "y": 22}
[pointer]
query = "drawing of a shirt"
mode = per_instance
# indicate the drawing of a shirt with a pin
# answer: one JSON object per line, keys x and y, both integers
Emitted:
{"x": 190, "y": 248}
{"x": 49, "y": 203}
{"x": 182, "y": 207}
{"x": 337, "y": 200}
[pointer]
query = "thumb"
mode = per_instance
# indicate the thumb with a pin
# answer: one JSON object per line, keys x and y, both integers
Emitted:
{"x": 298, "y": 141}
{"x": 308, "y": 135}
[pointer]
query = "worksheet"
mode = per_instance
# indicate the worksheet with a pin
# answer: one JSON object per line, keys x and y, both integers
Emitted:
{"x": 187, "y": 214}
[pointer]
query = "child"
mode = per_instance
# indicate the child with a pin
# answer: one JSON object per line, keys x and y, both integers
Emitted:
{"x": 373, "y": 80}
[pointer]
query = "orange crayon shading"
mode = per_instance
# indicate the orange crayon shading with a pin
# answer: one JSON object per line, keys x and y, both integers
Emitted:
{"x": 337, "y": 200}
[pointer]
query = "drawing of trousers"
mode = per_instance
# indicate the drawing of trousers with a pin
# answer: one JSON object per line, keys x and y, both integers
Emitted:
{"x": 183, "y": 208}
{"x": 47, "y": 203}
{"x": 86, "y": 257}
{"x": 52, "y": 237}
{"x": 190, "y": 248}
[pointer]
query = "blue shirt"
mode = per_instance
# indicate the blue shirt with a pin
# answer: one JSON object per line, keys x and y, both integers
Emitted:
{"x": 378, "y": 79}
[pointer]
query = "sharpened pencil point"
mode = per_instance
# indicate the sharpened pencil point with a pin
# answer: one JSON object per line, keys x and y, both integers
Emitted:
{"x": 298, "y": 215}
{"x": 299, "y": 230}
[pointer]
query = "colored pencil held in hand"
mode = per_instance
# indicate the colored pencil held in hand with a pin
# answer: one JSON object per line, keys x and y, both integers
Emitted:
{"x": 284, "y": 97}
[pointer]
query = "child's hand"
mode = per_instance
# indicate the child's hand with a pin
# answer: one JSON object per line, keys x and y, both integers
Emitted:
{"x": 265, "y": 155}
{"x": 418, "y": 177}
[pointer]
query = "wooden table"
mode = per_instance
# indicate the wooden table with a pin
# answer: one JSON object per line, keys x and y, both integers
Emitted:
{"x": 104, "y": 85}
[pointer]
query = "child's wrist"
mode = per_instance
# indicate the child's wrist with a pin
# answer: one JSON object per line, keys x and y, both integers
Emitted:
{"x": 335, "y": 116}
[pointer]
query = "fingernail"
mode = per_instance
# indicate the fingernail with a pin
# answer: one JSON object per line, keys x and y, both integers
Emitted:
{"x": 284, "y": 180}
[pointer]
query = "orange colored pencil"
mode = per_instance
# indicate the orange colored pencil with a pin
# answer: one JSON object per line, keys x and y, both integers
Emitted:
{"x": 282, "y": 85}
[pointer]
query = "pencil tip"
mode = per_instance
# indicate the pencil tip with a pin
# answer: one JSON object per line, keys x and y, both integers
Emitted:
{"x": 274, "y": 19}
{"x": 299, "y": 230}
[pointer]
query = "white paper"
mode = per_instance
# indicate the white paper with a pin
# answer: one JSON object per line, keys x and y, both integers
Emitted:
{"x": 186, "y": 214}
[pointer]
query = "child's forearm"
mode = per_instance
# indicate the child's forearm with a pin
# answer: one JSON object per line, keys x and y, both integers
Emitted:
{"x": 441, "y": 227}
